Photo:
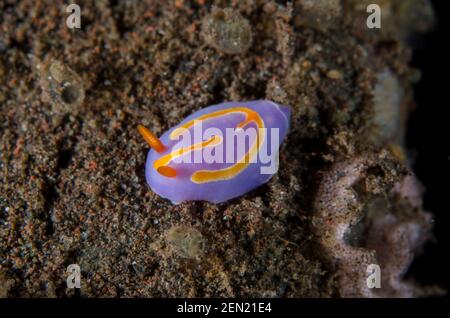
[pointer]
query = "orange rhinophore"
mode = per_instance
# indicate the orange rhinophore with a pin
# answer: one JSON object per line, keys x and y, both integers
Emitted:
{"x": 156, "y": 144}
{"x": 151, "y": 139}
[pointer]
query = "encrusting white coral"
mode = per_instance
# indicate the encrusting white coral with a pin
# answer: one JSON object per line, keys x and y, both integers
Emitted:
{"x": 361, "y": 198}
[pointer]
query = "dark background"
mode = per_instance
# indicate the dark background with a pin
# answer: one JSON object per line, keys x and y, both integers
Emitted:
{"x": 428, "y": 134}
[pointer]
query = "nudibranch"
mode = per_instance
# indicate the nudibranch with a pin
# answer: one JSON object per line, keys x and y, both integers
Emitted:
{"x": 217, "y": 153}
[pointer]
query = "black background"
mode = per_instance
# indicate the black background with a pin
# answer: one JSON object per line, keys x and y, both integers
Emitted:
{"x": 428, "y": 134}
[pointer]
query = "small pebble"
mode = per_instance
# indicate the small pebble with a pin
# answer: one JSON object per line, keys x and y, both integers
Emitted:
{"x": 334, "y": 75}
{"x": 62, "y": 86}
{"x": 227, "y": 31}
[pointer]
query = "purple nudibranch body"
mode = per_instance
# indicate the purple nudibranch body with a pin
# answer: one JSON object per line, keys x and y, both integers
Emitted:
{"x": 217, "y": 153}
